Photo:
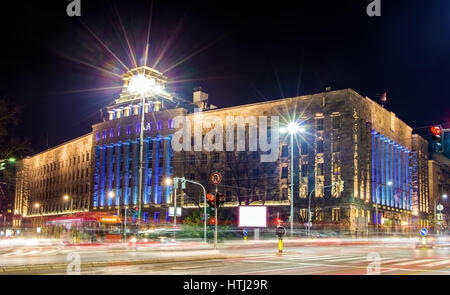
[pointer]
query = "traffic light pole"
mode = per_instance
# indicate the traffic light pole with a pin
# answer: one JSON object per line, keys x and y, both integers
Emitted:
{"x": 125, "y": 224}
{"x": 216, "y": 221}
{"x": 204, "y": 207}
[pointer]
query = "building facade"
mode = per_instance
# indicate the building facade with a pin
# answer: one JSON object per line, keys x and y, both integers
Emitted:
{"x": 54, "y": 182}
{"x": 351, "y": 157}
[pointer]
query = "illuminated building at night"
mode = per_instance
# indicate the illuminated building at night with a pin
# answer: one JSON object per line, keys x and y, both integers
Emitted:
{"x": 352, "y": 156}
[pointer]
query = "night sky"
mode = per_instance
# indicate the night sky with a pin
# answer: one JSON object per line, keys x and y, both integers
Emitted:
{"x": 240, "y": 53}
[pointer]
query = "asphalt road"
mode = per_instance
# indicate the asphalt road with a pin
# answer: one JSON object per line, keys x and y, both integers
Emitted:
{"x": 386, "y": 259}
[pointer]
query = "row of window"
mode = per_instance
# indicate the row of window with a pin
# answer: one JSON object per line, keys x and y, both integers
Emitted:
{"x": 304, "y": 170}
{"x": 335, "y": 123}
{"x": 111, "y": 133}
{"x": 66, "y": 177}
{"x": 335, "y": 147}
{"x": 61, "y": 164}
{"x": 58, "y": 193}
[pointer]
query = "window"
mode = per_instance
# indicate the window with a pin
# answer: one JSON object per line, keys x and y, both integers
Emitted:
{"x": 284, "y": 193}
{"x": 192, "y": 159}
{"x": 118, "y": 130}
{"x": 304, "y": 170}
{"x": 335, "y": 214}
{"x": 336, "y": 122}
{"x": 336, "y": 146}
{"x": 192, "y": 175}
{"x": 319, "y": 124}
{"x": 336, "y": 169}
{"x": 304, "y": 147}
{"x": 319, "y": 169}
{"x": 149, "y": 126}
{"x": 97, "y": 136}
{"x": 111, "y": 132}
{"x": 138, "y": 128}
{"x": 320, "y": 146}
{"x": 204, "y": 158}
{"x": 104, "y": 134}
{"x": 216, "y": 157}
{"x": 284, "y": 172}
{"x": 159, "y": 125}
{"x": 170, "y": 124}
{"x": 284, "y": 151}
{"x": 128, "y": 129}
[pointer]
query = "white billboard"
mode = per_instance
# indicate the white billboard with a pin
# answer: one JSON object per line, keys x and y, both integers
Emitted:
{"x": 253, "y": 216}
{"x": 172, "y": 210}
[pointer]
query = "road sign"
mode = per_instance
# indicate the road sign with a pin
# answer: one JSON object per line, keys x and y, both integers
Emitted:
{"x": 245, "y": 232}
{"x": 423, "y": 232}
{"x": 215, "y": 178}
{"x": 440, "y": 207}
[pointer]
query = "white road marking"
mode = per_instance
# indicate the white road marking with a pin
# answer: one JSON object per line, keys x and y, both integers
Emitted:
{"x": 437, "y": 263}
{"x": 413, "y": 262}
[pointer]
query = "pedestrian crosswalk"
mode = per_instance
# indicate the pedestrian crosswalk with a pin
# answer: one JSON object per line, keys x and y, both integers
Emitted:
{"x": 390, "y": 262}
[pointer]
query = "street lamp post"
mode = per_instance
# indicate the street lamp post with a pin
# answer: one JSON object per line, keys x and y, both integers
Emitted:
{"x": 204, "y": 206}
{"x": 174, "y": 182}
{"x": 292, "y": 128}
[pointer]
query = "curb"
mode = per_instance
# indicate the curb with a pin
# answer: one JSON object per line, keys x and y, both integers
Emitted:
{"x": 62, "y": 266}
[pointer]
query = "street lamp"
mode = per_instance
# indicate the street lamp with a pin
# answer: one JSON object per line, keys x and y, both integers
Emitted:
{"x": 143, "y": 86}
{"x": 66, "y": 198}
{"x": 292, "y": 128}
{"x": 37, "y": 205}
{"x": 169, "y": 182}
{"x": 111, "y": 196}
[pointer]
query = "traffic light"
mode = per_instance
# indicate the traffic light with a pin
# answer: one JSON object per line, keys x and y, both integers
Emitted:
{"x": 437, "y": 135}
{"x": 278, "y": 221}
{"x": 220, "y": 199}
{"x": 212, "y": 220}
{"x": 211, "y": 199}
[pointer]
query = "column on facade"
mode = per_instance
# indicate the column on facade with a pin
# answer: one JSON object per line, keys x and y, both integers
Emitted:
{"x": 126, "y": 172}
{"x": 102, "y": 175}
{"x": 148, "y": 149}
{"x": 168, "y": 166}
{"x": 118, "y": 174}
{"x": 156, "y": 171}
{"x": 109, "y": 172}
{"x": 135, "y": 170}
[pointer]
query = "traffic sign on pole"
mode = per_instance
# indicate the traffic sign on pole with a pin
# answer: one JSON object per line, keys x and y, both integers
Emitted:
{"x": 215, "y": 178}
{"x": 423, "y": 232}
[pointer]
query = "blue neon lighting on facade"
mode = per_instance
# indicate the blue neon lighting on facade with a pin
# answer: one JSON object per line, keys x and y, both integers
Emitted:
{"x": 390, "y": 163}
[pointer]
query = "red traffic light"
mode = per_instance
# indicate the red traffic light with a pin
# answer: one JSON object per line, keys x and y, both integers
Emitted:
{"x": 436, "y": 130}
{"x": 278, "y": 221}
{"x": 212, "y": 220}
